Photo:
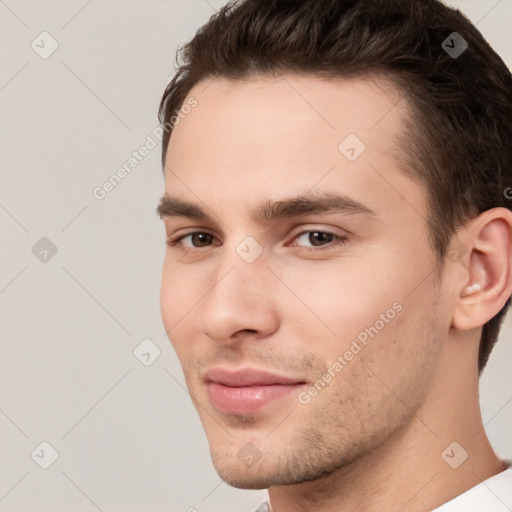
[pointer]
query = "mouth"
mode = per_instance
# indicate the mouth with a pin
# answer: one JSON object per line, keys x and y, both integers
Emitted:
{"x": 247, "y": 390}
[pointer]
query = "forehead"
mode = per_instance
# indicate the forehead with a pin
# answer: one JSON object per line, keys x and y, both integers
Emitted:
{"x": 273, "y": 136}
{"x": 321, "y": 107}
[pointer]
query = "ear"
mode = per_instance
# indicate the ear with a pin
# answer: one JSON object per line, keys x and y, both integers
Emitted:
{"x": 485, "y": 283}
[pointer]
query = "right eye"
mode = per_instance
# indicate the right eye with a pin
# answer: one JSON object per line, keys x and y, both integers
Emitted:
{"x": 197, "y": 239}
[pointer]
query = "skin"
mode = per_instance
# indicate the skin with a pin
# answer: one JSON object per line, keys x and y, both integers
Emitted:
{"x": 373, "y": 438}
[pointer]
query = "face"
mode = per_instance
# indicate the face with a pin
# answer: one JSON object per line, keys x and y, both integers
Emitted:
{"x": 298, "y": 286}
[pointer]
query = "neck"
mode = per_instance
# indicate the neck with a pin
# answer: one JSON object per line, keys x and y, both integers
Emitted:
{"x": 412, "y": 470}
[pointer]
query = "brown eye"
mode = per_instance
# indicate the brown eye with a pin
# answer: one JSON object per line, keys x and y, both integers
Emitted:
{"x": 200, "y": 239}
{"x": 318, "y": 239}
{"x": 196, "y": 240}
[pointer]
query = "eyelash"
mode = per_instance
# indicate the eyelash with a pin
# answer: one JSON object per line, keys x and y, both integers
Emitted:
{"x": 338, "y": 240}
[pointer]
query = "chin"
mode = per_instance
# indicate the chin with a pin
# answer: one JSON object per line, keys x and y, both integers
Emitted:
{"x": 236, "y": 476}
{"x": 252, "y": 482}
{"x": 266, "y": 473}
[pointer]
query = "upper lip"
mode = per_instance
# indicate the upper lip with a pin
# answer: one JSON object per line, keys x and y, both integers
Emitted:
{"x": 247, "y": 377}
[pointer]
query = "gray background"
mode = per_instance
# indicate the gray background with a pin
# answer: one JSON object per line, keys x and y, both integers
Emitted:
{"x": 127, "y": 436}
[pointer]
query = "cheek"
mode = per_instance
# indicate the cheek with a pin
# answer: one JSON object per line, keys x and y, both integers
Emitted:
{"x": 383, "y": 379}
{"x": 176, "y": 300}
{"x": 341, "y": 299}
{"x": 167, "y": 296}
{"x": 400, "y": 351}
{"x": 179, "y": 285}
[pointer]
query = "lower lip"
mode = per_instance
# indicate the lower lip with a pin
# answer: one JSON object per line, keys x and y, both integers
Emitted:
{"x": 247, "y": 399}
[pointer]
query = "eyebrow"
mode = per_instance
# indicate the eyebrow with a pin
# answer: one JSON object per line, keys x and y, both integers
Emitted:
{"x": 272, "y": 210}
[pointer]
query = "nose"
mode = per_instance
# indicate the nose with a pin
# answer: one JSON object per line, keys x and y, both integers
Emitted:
{"x": 241, "y": 301}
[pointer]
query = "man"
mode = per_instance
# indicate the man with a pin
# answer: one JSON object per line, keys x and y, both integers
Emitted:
{"x": 339, "y": 250}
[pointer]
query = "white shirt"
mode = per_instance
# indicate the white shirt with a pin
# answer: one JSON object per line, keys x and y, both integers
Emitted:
{"x": 491, "y": 495}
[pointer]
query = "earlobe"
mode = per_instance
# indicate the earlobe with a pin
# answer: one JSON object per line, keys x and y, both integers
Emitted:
{"x": 488, "y": 269}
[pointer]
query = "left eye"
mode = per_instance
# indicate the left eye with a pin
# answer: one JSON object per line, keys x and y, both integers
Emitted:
{"x": 318, "y": 238}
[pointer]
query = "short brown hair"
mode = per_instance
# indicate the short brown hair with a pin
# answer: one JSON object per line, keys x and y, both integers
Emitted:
{"x": 458, "y": 138}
